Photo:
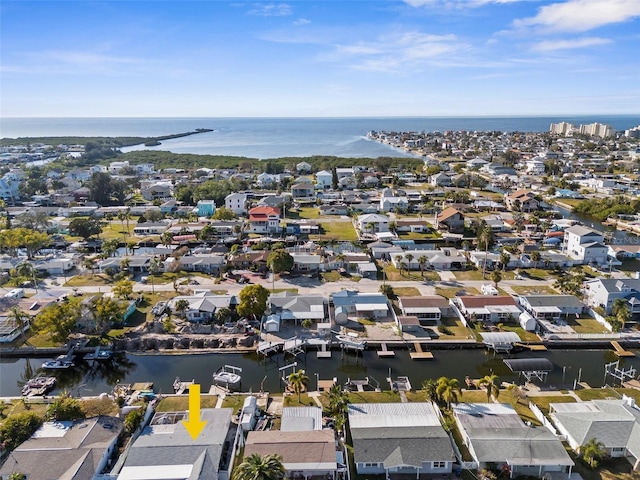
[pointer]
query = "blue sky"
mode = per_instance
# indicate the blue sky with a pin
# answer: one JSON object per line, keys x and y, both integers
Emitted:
{"x": 319, "y": 58}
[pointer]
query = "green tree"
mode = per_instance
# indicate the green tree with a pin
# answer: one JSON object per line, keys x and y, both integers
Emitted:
{"x": 133, "y": 420}
{"x": 430, "y": 389}
{"x": 57, "y": 320}
{"x": 338, "y": 405}
{"x": 224, "y": 213}
{"x": 27, "y": 270}
{"x": 496, "y": 277}
{"x": 298, "y": 382}
{"x": 592, "y": 452}
{"x": 280, "y": 261}
{"x": 260, "y": 467}
{"x": 85, "y": 227}
{"x": 18, "y": 428}
{"x": 107, "y": 312}
{"x": 253, "y": 301}
{"x": 484, "y": 237}
{"x": 620, "y": 310}
{"x": 65, "y": 408}
{"x": 535, "y": 258}
{"x": 154, "y": 266}
{"x": 109, "y": 247}
{"x": 490, "y": 382}
{"x": 448, "y": 390}
{"x": 181, "y": 307}
{"x": 504, "y": 260}
{"x": 334, "y": 178}
{"x": 17, "y": 476}
{"x": 20, "y": 320}
{"x": 422, "y": 261}
{"x": 123, "y": 289}
{"x": 224, "y": 315}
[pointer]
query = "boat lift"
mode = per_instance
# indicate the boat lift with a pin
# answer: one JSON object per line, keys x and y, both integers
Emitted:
{"x": 613, "y": 369}
{"x": 283, "y": 372}
{"x": 530, "y": 367}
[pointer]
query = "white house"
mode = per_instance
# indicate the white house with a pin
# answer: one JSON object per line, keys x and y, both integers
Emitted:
{"x": 585, "y": 245}
{"x": 236, "y": 202}
{"x": 373, "y": 223}
{"x": 602, "y": 292}
{"x": 324, "y": 179}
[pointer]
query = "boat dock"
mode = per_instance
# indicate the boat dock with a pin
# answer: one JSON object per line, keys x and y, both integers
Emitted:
{"x": 534, "y": 347}
{"x": 420, "y": 354}
{"x": 621, "y": 352}
{"x": 180, "y": 387}
{"x": 385, "y": 352}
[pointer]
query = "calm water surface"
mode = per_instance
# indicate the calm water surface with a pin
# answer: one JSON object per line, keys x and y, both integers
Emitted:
{"x": 163, "y": 369}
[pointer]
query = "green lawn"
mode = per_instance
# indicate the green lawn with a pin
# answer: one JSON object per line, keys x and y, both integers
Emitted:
{"x": 543, "y": 402}
{"x": 524, "y": 335}
{"x": 332, "y": 276}
{"x": 309, "y": 213}
{"x": 586, "y": 325}
{"x": 88, "y": 279}
{"x": 336, "y": 231}
{"x": 533, "y": 290}
{"x": 392, "y": 274}
{"x": 457, "y": 329}
{"x": 450, "y": 292}
{"x": 386, "y": 396}
{"x": 470, "y": 275}
{"x": 406, "y": 291}
{"x": 181, "y": 403}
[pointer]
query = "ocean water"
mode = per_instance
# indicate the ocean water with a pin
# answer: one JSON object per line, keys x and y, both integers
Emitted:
{"x": 281, "y": 137}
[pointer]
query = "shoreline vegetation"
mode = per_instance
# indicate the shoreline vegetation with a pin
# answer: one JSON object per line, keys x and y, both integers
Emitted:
{"x": 118, "y": 141}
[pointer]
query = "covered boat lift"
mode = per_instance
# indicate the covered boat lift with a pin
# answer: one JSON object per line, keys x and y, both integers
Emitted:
{"x": 500, "y": 341}
{"x": 530, "y": 367}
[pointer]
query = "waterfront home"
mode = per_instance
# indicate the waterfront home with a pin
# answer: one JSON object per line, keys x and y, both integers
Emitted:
{"x": 256, "y": 258}
{"x": 551, "y": 308}
{"x": 440, "y": 180}
{"x": 486, "y": 308}
{"x": 445, "y": 258}
{"x": 373, "y": 223}
{"x": 521, "y": 201}
{"x": 303, "y": 167}
{"x": 77, "y": 450}
{"x": 209, "y": 263}
{"x": 496, "y": 436}
{"x": 392, "y": 204}
{"x": 302, "y": 191}
{"x": 237, "y": 202}
{"x": 585, "y": 245}
{"x": 136, "y": 264}
{"x": 203, "y": 304}
{"x": 305, "y": 453}
{"x": 304, "y": 262}
{"x": 451, "y": 220}
{"x": 161, "y": 190}
{"x": 384, "y": 251}
{"x": 150, "y": 228}
{"x": 368, "y": 305}
{"x": 428, "y": 309}
{"x": 399, "y": 439}
{"x": 165, "y": 449}
{"x": 339, "y": 209}
{"x": 602, "y": 292}
{"x": 413, "y": 226}
{"x": 10, "y": 330}
{"x": 613, "y": 423}
{"x": 293, "y": 307}
{"x": 264, "y": 220}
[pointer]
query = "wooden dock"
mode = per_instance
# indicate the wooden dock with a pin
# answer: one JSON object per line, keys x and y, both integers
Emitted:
{"x": 324, "y": 352}
{"x": 385, "y": 352}
{"x": 419, "y": 354}
{"x": 621, "y": 352}
{"x": 536, "y": 347}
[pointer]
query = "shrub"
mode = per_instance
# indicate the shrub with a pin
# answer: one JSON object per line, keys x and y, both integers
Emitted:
{"x": 444, "y": 330}
{"x": 18, "y": 428}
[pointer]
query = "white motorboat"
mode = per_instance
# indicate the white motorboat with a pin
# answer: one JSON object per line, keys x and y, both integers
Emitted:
{"x": 228, "y": 377}
{"x": 98, "y": 354}
{"x": 347, "y": 341}
{"x": 60, "y": 363}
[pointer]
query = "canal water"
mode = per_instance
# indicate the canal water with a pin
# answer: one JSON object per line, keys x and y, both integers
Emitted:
{"x": 87, "y": 379}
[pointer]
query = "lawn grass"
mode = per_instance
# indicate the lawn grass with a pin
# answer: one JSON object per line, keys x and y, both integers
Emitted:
{"x": 341, "y": 231}
{"x": 457, "y": 329}
{"x": 450, "y": 292}
{"x": 179, "y": 403}
{"x": 469, "y": 275}
{"x": 21, "y": 406}
{"x": 392, "y": 274}
{"x": 586, "y": 325}
{"x": 473, "y": 396}
{"x": 332, "y": 276}
{"x": 386, "y": 396}
{"x": 87, "y": 279}
{"x": 308, "y": 213}
{"x": 100, "y": 406}
{"x": 406, "y": 291}
{"x": 524, "y": 335}
{"x": 533, "y": 290}
{"x": 587, "y": 394}
{"x": 305, "y": 401}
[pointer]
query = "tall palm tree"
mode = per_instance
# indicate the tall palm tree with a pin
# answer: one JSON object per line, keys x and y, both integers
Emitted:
{"x": 409, "y": 258}
{"x": 338, "y": 405}
{"x": 26, "y": 269}
{"x": 504, "y": 260}
{"x": 535, "y": 258}
{"x": 484, "y": 237}
{"x": 429, "y": 387}
{"x": 422, "y": 261}
{"x": 181, "y": 306}
{"x": 260, "y": 467}
{"x": 20, "y": 319}
{"x": 297, "y": 381}
{"x": 490, "y": 382}
{"x": 592, "y": 451}
{"x": 154, "y": 266}
{"x": 448, "y": 390}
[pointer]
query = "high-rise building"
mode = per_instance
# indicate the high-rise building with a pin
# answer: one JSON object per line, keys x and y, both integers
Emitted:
{"x": 633, "y": 132}
{"x": 597, "y": 130}
{"x": 562, "y": 128}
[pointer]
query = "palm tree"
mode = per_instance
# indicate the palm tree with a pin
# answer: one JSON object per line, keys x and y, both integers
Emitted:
{"x": 20, "y": 319}
{"x": 154, "y": 266}
{"x": 484, "y": 237}
{"x": 429, "y": 387}
{"x": 181, "y": 306}
{"x": 422, "y": 261}
{"x": 592, "y": 451}
{"x": 490, "y": 382}
{"x": 124, "y": 263}
{"x": 298, "y": 382}
{"x": 26, "y": 269}
{"x": 257, "y": 467}
{"x": 535, "y": 258}
{"x": 448, "y": 390}
{"x": 409, "y": 258}
{"x": 338, "y": 405}
{"x": 504, "y": 260}
{"x": 496, "y": 277}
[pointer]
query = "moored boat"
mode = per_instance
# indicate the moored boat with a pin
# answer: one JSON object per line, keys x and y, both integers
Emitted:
{"x": 228, "y": 377}
{"x": 38, "y": 385}
{"x": 98, "y": 354}
{"x": 351, "y": 342}
{"x": 60, "y": 363}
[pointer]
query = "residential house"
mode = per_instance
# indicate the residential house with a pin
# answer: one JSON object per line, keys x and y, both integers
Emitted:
{"x": 304, "y": 262}
{"x": 347, "y": 172}
{"x": 150, "y": 228}
{"x": 206, "y": 208}
{"x": 303, "y": 167}
{"x": 324, "y": 179}
{"x": 340, "y": 209}
{"x": 169, "y": 207}
{"x": 428, "y": 309}
{"x": 440, "y": 180}
{"x": 137, "y": 263}
{"x": 613, "y": 423}
{"x": 521, "y": 201}
{"x": 237, "y": 203}
{"x": 302, "y": 191}
{"x": 369, "y": 305}
{"x": 384, "y": 250}
{"x": 476, "y": 163}
{"x": 399, "y": 440}
{"x": 450, "y": 219}
{"x": 273, "y": 200}
{"x": 264, "y": 220}
{"x": 267, "y": 180}
{"x": 165, "y": 449}
{"x": 77, "y": 450}
{"x": 209, "y": 263}
{"x": 301, "y": 227}
{"x": 157, "y": 191}
{"x": 256, "y": 258}
{"x": 495, "y": 435}
{"x": 446, "y": 258}
{"x": 487, "y": 308}
{"x": 203, "y": 305}
{"x": 585, "y": 245}
{"x": 59, "y": 265}
{"x": 602, "y": 292}
{"x": 293, "y": 307}
{"x": 373, "y": 223}
{"x": 413, "y": 226}
{"x": 552, "y": 308}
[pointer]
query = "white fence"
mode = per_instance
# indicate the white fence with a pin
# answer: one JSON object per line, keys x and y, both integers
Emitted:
{"x": 544, "y": 420}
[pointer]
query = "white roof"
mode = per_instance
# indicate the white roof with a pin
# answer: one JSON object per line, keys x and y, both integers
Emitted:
{"x": 156, "y": 472}
{"x": 375, "y": 415}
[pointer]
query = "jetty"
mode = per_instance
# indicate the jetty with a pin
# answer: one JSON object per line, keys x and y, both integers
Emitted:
{"x": 620, "y": 351}
{"x": 420, "y": 354}
{"x": 534, "y": 347}
{"x": 385, "y": 352}
{"x": 180, "y": 387}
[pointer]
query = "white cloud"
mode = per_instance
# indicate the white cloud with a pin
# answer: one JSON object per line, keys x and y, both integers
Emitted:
{"x": 582, "y": 15}
{"x": 459, "y": 3}
{"x": 271, "y": 10}
{"x": 552, "y": 45}
{"x": 301, "y": 21}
